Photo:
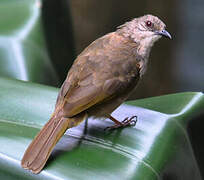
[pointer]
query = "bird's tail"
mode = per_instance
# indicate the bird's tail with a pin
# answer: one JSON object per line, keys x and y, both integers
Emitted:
{"x": 41, "y": 147}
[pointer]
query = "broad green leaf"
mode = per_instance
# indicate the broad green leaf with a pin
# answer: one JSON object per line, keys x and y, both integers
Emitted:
{"x": 157, "y": 147}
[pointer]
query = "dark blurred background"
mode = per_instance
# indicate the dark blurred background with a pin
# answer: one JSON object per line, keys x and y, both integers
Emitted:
{"x": 175, "y": 66}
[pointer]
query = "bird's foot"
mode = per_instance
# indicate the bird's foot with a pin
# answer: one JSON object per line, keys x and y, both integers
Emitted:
{"x": 126, "y": 122}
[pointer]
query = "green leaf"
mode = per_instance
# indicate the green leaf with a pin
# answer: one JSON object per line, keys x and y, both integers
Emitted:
{"x": 23, "y": 53}
{"x": 157, "y": 147}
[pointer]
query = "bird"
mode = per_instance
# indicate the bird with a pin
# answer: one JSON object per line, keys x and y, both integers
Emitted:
{"x": 101, "y": 78}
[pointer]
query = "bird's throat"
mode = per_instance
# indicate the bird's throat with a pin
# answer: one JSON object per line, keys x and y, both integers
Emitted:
{"x": 145, "y": 47}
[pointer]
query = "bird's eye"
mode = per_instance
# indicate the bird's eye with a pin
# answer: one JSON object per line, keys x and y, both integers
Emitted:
{"x": 148, "y": 23}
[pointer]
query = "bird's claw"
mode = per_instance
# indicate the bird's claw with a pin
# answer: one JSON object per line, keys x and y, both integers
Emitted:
{"x": 126, "y": 122}
{"x": 130, "y": 121}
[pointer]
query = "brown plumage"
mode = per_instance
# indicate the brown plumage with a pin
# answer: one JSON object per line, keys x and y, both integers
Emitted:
{"x": 101, "y": 78}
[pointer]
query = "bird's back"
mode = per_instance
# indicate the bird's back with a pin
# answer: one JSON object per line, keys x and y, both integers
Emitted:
{"x": 107, "y": 68}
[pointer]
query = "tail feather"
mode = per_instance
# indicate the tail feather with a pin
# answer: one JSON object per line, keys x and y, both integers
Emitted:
{"x": 41, "y": 147}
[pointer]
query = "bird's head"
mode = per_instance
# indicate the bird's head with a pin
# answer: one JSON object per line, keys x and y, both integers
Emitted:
{"x": 146, "y": 30}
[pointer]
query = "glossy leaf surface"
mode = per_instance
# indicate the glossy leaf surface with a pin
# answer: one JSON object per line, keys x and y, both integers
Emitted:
{"x": 23, "y": 53}
{"x": 157, "y": 147}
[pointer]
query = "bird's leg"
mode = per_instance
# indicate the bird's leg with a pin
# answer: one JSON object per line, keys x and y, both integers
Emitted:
{"x": 126, "y": 122}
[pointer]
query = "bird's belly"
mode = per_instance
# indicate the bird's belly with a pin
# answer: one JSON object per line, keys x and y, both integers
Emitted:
{"x": 106, "y": 108}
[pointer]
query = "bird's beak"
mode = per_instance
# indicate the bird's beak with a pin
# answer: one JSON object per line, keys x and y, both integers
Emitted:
{"x": 164, "y": 33}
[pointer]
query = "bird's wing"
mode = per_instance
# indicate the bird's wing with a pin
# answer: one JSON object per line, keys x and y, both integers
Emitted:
{"x": 98, "y": 74}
